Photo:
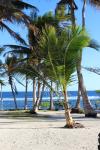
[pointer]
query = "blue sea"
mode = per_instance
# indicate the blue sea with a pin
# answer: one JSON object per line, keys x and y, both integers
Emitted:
{"x": 8, "y": 104}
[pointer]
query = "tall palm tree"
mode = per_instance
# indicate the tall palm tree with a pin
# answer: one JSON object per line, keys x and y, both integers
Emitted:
{"x": 12, "y": 11}
{"x": 89, "y": 112}
{"x": 34, "y": 37}
{"x": 81, "y": 88}
{"x": 71, "y": 8}
{"x": 62, "y": 55}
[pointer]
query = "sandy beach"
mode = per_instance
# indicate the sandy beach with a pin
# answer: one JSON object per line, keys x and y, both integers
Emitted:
{"x": 45, "y": 132}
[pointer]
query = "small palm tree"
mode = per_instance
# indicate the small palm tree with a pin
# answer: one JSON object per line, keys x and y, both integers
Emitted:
{"x": 62, "y": 54}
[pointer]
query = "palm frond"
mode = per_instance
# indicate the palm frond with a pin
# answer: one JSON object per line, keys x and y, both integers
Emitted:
{"x": 94, "y": 70}
{"x": 22, "y": 5}
{"x": 94, "y": 44}
{"x": 16, "y": 49}
{"x": 94, "y": 3}
{"x": 12, "y": 33}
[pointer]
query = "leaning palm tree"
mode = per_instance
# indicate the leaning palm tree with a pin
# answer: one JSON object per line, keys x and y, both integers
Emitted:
{"x": 89, "y": 112}
{"x": 62, "y": 54}
{"x": 8, "y": 69}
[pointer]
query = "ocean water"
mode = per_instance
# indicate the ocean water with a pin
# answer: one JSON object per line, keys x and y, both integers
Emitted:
{"x": 7, "y": 103}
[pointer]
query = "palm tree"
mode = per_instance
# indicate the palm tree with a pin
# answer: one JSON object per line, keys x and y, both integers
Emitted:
{"x": 81, "y": 88}
{"x": 89, "y": 112}
{"x": 32, "y": 49}
{"x": 12, "y": 11}
{"x": 62, "y": 55}
{"x": 34, "y": 37}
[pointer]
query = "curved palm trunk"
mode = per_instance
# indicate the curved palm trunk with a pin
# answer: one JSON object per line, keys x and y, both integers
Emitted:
{"x": 26, "y": 88}
{"x": 86, "y": 103}
{"x": 88, "y": 109}
{"x": 51, "y": 99}
{"x": 69, "y": 119}
{"x": 73, "y": 26}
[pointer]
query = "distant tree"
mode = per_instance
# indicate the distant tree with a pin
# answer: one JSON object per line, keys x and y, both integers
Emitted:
{"x": 8, "y": 69}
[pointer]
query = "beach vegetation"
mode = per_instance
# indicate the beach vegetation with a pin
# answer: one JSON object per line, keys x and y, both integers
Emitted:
{"x": 62, "y": 52}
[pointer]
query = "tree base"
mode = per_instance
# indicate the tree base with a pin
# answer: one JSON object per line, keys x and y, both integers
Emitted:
{"x": 91, "y": 115}
{"x": 75, "y": 125}
{"x": 77, "y": 110}
{"x": 33, "y": 112}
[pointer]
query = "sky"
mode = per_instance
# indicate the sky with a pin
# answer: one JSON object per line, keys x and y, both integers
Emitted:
{"x": 90, "y": 58}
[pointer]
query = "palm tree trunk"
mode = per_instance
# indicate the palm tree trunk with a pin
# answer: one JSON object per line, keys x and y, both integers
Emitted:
{"x": 43, "y": 86}
{"x": 78, "y": 99}
{"x": 72, "y": 14}
{"x": 13, "y": 93}
{"x": 89, "y": 111}
{"x": 26, "y": 88}
{"x": 35, "y": 108}
{"x": 69, "y": 119}
{"x": 34, "y": 91}
{"x": 83, "y": 14}
{"x": 1, "y": 98}
{"x": 51, "y": 99}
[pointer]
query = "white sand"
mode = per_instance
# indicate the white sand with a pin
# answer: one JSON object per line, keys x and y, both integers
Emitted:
{"x": 29, "y": 133}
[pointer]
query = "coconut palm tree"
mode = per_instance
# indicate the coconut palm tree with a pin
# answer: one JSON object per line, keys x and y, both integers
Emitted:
{"x": 89, "y": 112}
{"x": 81, "y": 88}
{"x": 62, "y": 55}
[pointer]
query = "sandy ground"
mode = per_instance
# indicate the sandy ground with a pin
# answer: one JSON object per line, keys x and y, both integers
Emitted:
{"x": 46, "y": 133}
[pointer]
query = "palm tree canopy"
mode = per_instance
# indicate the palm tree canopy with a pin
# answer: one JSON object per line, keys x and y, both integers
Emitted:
{"x": 67, "y": 2}
{"x": 62, "y": 51}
